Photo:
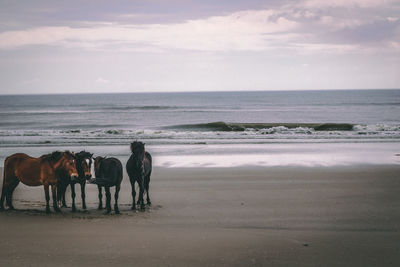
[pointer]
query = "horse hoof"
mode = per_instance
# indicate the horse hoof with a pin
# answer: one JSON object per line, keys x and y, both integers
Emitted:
{"x": 100, "y": 208}
{"x": 142, "y": 207}
{"x": 117, "y": 212}
{"x": 149, "y": 203}
{"x": 48, "y": 211}
{"x": 1, "y": 208}
{"x": 107, "y": 212}
{"x": 73, "y": 210}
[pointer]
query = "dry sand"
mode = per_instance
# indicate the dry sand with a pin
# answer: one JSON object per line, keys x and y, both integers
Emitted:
{"x": 336, "y": 216}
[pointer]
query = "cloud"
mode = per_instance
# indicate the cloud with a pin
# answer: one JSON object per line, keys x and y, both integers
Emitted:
{"x": 344, "y": 3}
{"x": 334, "y": 23}
{"x": 31, "y": 81}
{"x": 392, "y": 19}
{"x": 312, "y": 25}
{"x": 102, "y": 80}
{"x": 245, "y": 30}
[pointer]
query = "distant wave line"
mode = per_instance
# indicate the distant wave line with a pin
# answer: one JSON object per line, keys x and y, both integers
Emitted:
{"x": 228, "y": 126}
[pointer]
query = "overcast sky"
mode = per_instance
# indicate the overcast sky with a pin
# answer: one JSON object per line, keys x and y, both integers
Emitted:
{"x": 87, "y": 46}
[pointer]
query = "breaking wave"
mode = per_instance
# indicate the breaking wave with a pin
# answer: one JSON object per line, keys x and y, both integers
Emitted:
{"x": 207, "y": 133}
{"x": 237, "y": 127}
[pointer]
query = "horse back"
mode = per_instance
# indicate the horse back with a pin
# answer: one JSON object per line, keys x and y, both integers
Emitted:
{"x": 111, "y": 168}
{"x": 114, "y": 163}
{"x": 24, "y": 167}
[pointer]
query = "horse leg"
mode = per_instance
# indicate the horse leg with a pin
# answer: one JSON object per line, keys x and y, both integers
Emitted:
{"x": 133, "y": 194}
{"x": 73, "y": 197}
{"x": 47, "y": 195}
{"x": 4, "y": 188}
{"x": 59, "y": 193}
{"x": 60, "y": 189}
{"x": 100, "y": 198}
{"x": 117, "y": 188}
{"x": 138, "y": 200}
{"x": 63, "y": 190}
{"x": 10, "y": 191}
{"x": 108, "y": 199}
{"x": 146, "y": 186}
{"x": 141, "y": 191}
{"x": 83, "y": 195}
{"x": 54, "y": 195}
{"x": 3, "y": 192}
{"x": 3, "y": 195}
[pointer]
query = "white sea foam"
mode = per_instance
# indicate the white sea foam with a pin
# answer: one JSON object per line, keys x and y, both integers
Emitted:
{"x": 308, "y": 155}
{"x": 360, "y": 133}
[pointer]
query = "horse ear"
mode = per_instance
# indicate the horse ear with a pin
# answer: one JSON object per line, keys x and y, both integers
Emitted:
{"x": 91, "y": 155}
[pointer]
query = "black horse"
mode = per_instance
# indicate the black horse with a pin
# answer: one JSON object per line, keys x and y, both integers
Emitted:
{"x": 83, "y": 166}
{"x": 108, "y": 173}
{"x": 139, "y": 169}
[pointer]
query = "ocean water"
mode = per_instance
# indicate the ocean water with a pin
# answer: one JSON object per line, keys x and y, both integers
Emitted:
{"x": 197, "y": 129}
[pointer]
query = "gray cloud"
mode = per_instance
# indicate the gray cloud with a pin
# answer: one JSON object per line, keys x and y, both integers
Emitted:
{"x": 376, "y": 31}
{"x": 198, "y": 45}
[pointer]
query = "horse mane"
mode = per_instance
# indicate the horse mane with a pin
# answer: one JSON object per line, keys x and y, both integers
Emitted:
{"x": 55, "y": 156}
{"x": 83, "y": 154}
{"x": 100, "y": 157}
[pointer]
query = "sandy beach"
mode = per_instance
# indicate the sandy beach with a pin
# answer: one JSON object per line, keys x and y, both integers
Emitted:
{"x": 280, "y": 216}
{"x": 271, "y": 130}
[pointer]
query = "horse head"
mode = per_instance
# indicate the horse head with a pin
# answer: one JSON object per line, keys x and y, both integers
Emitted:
{"x": 139, "y": 151}
{"x": 67, "y": 162}
{"x": 84, "y": 164}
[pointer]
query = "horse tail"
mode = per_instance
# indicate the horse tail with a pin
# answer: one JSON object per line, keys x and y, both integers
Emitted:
{"x": 4, "y": 170}
{"x": 117, "y": 172}
{"x": 4, "y": 173}
{"x": 3, "y": 189}
{"x": 118, "y": 175}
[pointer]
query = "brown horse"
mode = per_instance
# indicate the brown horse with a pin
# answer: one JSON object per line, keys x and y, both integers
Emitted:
{"x": 83, "y": 166}
{"x": 44, "y": 170}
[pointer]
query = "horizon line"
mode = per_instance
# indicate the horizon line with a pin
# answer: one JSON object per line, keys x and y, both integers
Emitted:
{"x": 196, "y": 91}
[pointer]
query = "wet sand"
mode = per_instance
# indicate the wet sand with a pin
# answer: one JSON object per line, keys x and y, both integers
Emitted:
{"x": 281, "y": 216}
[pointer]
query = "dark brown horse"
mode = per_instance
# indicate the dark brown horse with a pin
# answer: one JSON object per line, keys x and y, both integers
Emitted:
{"x": 83, "y": 166}
{"x": 139, "y": 168}
{"x": 44, "y": 170}
{"x": 108, "y": 173}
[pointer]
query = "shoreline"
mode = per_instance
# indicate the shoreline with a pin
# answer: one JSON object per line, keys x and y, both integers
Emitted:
{"x": 244, "y": 216}
{"x": 242, "y": 155}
